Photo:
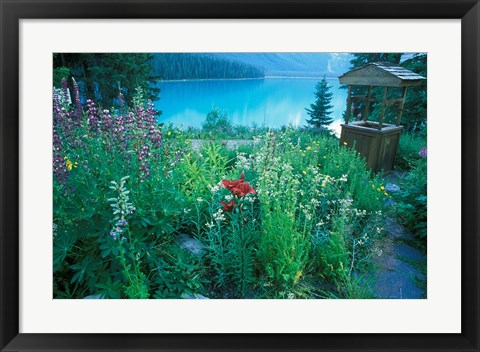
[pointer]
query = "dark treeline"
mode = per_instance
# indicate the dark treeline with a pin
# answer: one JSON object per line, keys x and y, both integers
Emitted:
{"x": 102, "y": 76}
{"x": 171, "y": 66}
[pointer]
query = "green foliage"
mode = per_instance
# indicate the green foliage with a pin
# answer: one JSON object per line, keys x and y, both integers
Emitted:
{"x": 411, "y": 204}
{"x": 282, "y": 249}
{"x": 363, "y": 187}
{"x": 360, "y": 59}
{"x": 59, "y": 73}
{"x": 178, "y": 273}
{"x": 217, "y": 121}
{"x": 321, "y": 110}
{"x": 408, "y": 150}
{"x": 414, "y": 116}
{"x": 231, "y": 239}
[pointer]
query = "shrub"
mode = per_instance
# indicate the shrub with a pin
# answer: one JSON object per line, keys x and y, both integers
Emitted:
{"x": 411, "y": 204}
{"x": 408, "y": 150}
{"x": 217, "y": 121}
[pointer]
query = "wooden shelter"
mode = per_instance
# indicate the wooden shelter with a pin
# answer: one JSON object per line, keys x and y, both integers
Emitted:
{"x": 376, "y": 141}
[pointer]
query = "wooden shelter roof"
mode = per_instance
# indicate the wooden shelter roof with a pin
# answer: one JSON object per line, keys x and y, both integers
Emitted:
{"x": 383, "y": 74}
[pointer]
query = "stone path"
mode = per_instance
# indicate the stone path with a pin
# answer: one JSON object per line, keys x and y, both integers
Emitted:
{"x": 400, "y": 272}
{"x": 229, "y": 143}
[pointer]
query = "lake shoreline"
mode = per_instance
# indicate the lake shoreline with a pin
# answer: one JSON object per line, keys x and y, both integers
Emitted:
{"x": 243, "y": 79}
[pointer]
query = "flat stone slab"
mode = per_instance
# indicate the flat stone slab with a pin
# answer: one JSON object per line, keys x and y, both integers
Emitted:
{"x": 396, "y": 285}
{"x": 392, "y": 187}
{"x": 191, "y": 245}
{"x": 397, "y": 231}
{"x": 396, "y": 274}
{"x": 228, "y": 143}
{"x": 193, "y": 296}
{"x": 403, "y": 250}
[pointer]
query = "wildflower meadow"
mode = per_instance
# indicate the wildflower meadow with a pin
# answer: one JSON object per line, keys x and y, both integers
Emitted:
{"x": 149, "y": 210}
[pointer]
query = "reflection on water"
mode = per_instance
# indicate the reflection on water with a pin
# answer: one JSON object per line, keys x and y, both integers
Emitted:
{"x": 270, "y": 102}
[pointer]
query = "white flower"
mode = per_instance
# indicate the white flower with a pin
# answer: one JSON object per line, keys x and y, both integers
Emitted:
{"x": 249, "y": 199}
{"x": 213, "y": 189}
{"x": 199, "y": 199}
{"x": 218, "y": 215}
{"x": 210, "y": 225}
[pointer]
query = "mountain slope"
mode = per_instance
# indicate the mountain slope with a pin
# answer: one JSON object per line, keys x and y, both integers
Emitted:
{"x": 294, "y": 64}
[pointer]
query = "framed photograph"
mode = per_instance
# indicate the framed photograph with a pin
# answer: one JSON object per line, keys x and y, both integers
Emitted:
{"x": 240, "y": 176}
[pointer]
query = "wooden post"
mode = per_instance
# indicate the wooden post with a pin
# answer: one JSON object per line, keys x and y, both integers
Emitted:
{"x": 367, "y": 104}
{"x": 385, "y": 96}
{"x": 400, "y": 108}
{"x": 347, "y": 116}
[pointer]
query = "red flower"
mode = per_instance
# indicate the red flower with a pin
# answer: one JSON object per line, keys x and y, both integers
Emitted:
{"x": 243, "y": 189}
{"x": 228, "y": 207}
{"x": 233, "y": 184}
{"x": 239, "y": 187}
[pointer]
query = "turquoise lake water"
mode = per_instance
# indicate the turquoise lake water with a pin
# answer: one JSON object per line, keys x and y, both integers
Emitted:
{"x": 270, "y": 102}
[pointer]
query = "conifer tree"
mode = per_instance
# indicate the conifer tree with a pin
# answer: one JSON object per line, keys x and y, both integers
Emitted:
{"x": 321, "y": 110}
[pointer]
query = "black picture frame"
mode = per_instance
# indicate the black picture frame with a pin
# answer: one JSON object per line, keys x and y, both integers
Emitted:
{"x": 12, "y": 11}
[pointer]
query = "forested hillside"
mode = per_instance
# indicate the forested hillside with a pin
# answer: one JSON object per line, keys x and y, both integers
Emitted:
{"x": 172, "y": 66}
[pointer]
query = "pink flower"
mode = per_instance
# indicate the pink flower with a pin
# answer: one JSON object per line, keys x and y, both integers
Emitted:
{"x": 423, "y": 153}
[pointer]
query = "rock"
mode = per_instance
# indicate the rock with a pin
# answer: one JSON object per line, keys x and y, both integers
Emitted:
{"x": 403, "y": 250}
{"x": 100, "y": 296}
{"x": 397, "y": 231}
{"x": 388, "y": 202}
{"x": 392, "y": 187}
{"x": 193, "y": 296}
{"x": 192, "y": 245}
{"x": 396, "y": 285}
{"x": 396, "y": 274}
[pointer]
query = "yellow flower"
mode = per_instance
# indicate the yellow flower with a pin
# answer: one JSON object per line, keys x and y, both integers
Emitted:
{"x": 345, "y": 143}
{"x": 373, "y": 186}
{"x": 308, "y": 148}
{"x": 298, "y": 275}
{"x": 324, "y": 156}
{"x": 169, "y": 133}
{"x": 385, "y": 193}
{"x": 382, "y": 188}
{"x": 304, "y": 172}
{"x": 69, "y": 165}
{"x": 323, "y": 184}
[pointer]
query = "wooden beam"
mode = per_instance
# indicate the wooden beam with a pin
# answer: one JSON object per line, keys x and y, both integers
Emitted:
{"x": 367, "y": 104}
{"x": 349, "y": 102}
{"x": 391, "y": 102}
{"x": 358, "y": 97}
{"x": 385, "y": 95}
{"x": 400, "y": 108}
